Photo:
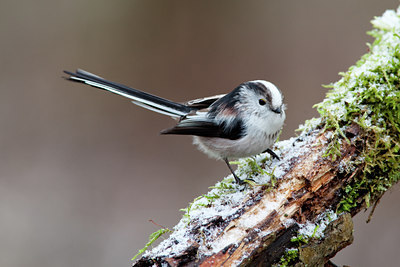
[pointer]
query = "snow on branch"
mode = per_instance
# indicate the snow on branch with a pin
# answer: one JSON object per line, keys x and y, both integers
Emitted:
{"x": 298, "y": 210}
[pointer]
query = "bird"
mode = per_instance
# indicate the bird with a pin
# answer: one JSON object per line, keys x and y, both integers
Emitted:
{"x": 239, "y": 124}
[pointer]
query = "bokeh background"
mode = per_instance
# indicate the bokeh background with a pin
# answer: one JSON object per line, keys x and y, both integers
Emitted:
{"x": 82, "y": 171}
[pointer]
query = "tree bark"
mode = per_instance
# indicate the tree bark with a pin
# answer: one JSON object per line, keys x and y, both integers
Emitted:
{"x": 311, "y": 186}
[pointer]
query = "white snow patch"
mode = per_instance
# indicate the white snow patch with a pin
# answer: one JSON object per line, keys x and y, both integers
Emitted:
{"x": 388, "y": 21}
{"x": 289, "y": 222}
{"x": 310, "y": 229}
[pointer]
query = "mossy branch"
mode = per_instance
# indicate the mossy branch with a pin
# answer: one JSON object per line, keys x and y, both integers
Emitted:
{"x": 298, "y": 210}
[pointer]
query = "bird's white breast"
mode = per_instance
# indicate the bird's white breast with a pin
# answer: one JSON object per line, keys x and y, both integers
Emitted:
{"x": 262, "y": 136}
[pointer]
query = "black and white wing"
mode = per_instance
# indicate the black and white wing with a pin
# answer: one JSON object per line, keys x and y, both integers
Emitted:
{"x": 201, "y": 125}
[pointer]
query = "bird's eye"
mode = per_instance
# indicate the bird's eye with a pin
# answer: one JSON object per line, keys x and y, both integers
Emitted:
{"x": 262, "y": 102}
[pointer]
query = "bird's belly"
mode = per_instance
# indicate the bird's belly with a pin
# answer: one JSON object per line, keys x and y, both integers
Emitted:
{"x": 249, "y": 145}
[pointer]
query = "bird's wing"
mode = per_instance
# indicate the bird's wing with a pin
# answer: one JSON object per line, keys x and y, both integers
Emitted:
{"x": 201, "y": 125}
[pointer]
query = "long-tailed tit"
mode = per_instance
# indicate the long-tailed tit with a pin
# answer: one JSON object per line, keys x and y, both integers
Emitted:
{"x": 242, "y": 123}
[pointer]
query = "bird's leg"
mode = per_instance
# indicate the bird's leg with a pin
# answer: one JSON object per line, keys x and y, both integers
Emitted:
{"x": 272, "y": 153}
{"x": 237, "y": 179}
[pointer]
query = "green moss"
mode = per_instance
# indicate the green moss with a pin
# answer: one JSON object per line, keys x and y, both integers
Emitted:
{"x": 369, "y": 95}
{"x": 290, "y": 257}
{"x": 152, "y": 238}
{"x": 252, "y": 167}
{"x": 300, "y": 240}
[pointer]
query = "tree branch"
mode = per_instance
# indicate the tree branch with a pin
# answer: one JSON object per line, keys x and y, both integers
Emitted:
{"x": 299, "y": 211}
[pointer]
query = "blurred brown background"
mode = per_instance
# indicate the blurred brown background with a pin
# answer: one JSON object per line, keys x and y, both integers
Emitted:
{"x": 82, "y": 170}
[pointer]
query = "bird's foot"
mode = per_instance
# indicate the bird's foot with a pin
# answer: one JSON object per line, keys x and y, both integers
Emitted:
{"x": 272, "y": 153}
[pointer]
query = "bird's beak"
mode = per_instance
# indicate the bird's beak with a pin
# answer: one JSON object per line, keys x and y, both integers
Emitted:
{"x": 277, "y": 110}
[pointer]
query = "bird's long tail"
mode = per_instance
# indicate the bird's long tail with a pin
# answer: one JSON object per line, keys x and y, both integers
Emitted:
{"x": 143, "y": 99}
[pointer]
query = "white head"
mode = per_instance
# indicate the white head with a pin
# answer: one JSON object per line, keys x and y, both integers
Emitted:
{"x": 252, "y": 106}
{"x": 262, "y": 98}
